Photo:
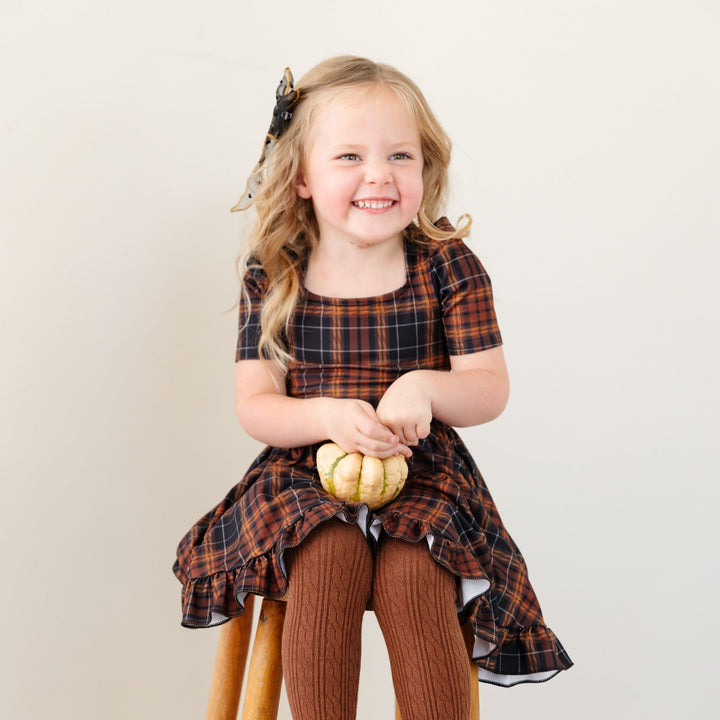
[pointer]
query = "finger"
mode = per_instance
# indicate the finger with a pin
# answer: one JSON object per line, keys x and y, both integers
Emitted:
{"x": 397, "y": 449}
{"x": 385, "y": 447}
{"x": 367, "y": 417}
{"x": 422, "y": 430}
{"x": 373, "y": 430}
{"x": 404, "y": 428}
{"x": 408, "y": 437}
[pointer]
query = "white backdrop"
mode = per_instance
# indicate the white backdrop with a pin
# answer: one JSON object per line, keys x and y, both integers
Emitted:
{"x": 587, "y": 150}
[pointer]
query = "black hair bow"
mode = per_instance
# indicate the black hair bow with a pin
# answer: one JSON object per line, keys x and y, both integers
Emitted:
{"x": 286, "y": 98}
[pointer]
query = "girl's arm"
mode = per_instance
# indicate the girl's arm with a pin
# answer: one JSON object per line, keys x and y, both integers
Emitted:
{"x": 475, "y": 391}
{"x": 267, "y": 414}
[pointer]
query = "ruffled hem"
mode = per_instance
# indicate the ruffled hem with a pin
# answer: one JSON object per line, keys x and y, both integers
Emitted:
{"x": 528, "y": 655}
{"x": 215, "y": 599}
{"x": 504, "y": 656}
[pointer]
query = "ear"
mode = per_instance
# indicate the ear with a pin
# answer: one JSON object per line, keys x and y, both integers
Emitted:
{"x": 302, "y": 188}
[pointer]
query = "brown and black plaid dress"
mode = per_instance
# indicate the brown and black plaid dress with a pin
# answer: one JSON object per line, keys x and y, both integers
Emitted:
{"x": 354, "y": 348}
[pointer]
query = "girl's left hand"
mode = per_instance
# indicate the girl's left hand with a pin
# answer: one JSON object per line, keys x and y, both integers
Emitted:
{"x": 406, "y": 407}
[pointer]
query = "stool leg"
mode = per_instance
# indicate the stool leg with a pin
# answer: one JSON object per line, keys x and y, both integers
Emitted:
{"x": 262, "y": 693}
{"x": 230, "y": 665}
{"x": 474, "y": 684}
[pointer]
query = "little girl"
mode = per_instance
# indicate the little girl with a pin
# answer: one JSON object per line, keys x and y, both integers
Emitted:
{"x": 366, "y": 321}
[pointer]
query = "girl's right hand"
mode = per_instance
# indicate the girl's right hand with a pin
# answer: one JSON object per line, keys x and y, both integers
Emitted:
{"x": 354, "y": 426}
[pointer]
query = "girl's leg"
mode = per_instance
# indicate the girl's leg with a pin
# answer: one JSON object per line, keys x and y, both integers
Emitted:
{"x": 414, "y": 601}
{"x": 330, "y": 579}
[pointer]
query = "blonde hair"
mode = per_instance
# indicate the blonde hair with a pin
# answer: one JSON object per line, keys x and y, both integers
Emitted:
{"x": 286, "y": 230}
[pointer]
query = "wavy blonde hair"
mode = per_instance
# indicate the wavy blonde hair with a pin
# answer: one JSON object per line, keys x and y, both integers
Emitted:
{"x": 286, "y": 229}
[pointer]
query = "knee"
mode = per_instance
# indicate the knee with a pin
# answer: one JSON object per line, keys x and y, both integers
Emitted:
{"x": 406, "y": 574}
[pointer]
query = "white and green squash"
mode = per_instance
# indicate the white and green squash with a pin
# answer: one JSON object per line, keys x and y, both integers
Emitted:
{"x": 355, "y": 477}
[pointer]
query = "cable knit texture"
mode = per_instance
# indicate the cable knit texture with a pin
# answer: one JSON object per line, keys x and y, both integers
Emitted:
{"x": 415, "y": 603}
{"x": 330, "y": 583}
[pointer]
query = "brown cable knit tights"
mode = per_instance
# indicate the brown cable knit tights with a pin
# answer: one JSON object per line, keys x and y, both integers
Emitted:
{"x": 332, "y": 576}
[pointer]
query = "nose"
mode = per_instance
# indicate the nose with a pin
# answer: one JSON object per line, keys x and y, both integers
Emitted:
{"x": 377, "y": 171}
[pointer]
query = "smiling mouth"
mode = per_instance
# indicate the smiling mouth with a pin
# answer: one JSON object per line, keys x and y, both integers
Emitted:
{"x": 374, "y": 204}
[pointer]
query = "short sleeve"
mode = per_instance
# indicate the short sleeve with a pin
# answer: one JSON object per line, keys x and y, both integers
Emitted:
{"x": 251, "y": 302}
{"x": 465, "y": 293}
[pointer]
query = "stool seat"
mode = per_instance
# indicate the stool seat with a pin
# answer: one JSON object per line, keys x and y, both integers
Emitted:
{"x": 264, "y": 678}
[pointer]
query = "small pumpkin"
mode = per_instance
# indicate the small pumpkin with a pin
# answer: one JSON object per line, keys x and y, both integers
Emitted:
{"x": 360, "y": 478}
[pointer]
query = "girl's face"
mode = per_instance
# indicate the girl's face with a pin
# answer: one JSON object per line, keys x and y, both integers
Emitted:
{"x": 363, "y": 168}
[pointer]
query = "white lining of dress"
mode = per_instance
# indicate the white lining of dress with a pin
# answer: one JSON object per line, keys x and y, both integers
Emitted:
{"x": 510, "y": 680}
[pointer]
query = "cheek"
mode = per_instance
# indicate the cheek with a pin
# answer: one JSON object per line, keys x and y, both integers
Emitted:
{"x": 414, "y": 190}
{"x": 331, "y": 197}
{"x": 339, "y": 188}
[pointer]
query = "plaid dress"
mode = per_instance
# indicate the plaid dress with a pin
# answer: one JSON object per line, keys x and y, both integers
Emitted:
{"x": 356, "y": 347}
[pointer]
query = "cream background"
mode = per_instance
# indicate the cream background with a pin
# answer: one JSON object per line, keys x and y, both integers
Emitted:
{"x": 587, "y": 150}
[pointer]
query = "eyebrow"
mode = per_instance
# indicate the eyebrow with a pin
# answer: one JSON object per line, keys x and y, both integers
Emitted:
{"x": 360, "y": 146}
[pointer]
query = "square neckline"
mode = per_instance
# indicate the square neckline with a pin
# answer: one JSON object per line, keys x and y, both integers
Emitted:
{"x": 309, "y": 294}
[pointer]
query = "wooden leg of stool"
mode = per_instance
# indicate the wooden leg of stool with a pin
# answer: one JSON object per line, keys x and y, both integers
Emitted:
{"x": 230, "y": 665}
{"x": 262, "y": 693}
{"x": 474, "y": 684}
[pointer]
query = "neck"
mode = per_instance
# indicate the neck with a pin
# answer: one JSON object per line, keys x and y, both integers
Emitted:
{"x": 356, "y": 271}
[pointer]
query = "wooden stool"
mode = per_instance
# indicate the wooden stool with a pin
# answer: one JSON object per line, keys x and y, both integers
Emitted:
{"x": 264, "y": 680}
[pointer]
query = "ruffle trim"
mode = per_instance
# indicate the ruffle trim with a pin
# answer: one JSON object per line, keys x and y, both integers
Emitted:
{"x": 529, "y": 655}
{"x": 504, "y": 656}
{"x": 215, "y": 599}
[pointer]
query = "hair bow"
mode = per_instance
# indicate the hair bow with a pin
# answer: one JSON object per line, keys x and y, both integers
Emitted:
{"x": 286, "y": 98}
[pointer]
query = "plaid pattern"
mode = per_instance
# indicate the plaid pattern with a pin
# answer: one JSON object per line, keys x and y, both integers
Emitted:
{"x": 356, "y": 348}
